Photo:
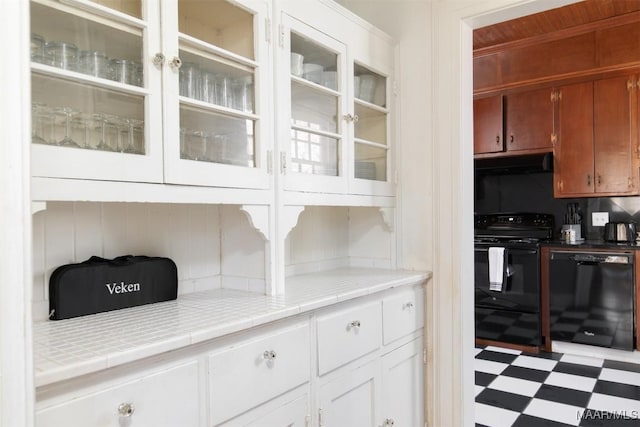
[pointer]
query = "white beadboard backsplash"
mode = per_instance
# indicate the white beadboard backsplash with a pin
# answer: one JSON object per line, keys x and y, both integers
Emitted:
{"x": 336, "y": 237}
{"x": 213, "y": 246}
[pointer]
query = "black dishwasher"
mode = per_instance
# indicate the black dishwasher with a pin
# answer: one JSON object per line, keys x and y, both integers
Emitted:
{"x": 591, "y": 298}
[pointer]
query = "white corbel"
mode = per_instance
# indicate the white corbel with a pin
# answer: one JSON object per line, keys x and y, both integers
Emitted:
{"x": 258, "y": 216}
{"x": 38, "y": 206}
{"x": 290, "y": 217}
{"x": 389, "y": 218}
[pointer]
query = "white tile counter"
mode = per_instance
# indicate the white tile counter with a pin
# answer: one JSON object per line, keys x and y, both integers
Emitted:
{"x": 69, "y": 348}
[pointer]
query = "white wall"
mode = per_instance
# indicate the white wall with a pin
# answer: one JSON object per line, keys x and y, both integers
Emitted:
{"x": 435, "y": 133}
{"x": 213, "y": 246}
{"x": 327, "y": 237}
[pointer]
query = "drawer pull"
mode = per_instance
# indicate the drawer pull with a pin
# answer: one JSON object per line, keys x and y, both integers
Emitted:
{"x": 126, "y": 409}
{"x": 389, "y": 422}
{"x": 269, "y": 355}
{"x": 408, "y": 305}
{"x": 354, "y": 324}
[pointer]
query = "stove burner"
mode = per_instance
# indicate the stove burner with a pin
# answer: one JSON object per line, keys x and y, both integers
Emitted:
{"x": 526, "y": 240}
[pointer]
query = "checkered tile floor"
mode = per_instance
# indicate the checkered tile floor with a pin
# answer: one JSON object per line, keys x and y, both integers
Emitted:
{"x": 554, "y": 389}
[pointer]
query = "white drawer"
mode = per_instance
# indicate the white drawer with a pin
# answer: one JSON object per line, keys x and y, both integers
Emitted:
{"x": 347, "y": 335}
{"x": 257, "y": 370}
{"x": 168, "y": 398}
{"x": 402, "y": 314}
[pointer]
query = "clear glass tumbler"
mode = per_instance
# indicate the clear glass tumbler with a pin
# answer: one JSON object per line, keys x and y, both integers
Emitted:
{"x": 62, "y": 55}
{"x": 62, "y": 126}
{"x": 123, "y": 71}
{"x": 42, "y": 122}
{"x": 94, "y": 63}
{"x": 208, "y": 87}
{"x": 37, "y": 47}
{"x": 190, "y": 80}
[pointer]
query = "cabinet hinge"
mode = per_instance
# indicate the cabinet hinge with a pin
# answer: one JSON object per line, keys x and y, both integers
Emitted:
{"x": 554, "y": 95}
{"x": 320, "y": 420}
{"x": 281, "y": 35}
{"x": 307, "y": 420}
{"x": 267, "y": 35}
{"x": 554, "y": 139}
{"x": 269, "y": 162}
{"x": 394, "y": 88}
{"x": 283, "y": 162}
{"x": 424, "y": 356}
{"x": 631, "y": 84}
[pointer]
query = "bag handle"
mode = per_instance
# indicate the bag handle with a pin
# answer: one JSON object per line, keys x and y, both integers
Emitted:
{"x": 121, "y": 260}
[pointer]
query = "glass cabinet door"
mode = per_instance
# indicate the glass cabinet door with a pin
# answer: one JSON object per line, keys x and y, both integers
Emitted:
{"x": 215, "y": 84}
{"x": 314, "y": 75}
{"x": 370, "y": 125}
{"x": 95, "y": 93}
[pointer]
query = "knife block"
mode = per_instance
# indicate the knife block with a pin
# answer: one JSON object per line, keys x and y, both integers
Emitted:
{"x": 576, "y": 227}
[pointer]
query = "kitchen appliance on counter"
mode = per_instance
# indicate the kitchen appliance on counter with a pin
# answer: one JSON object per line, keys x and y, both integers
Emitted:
{"x": 591, "y": 297}
{"x": 620, "y": 232}
{"x": 572, "y": 226}
{"x": 507, "y": 276}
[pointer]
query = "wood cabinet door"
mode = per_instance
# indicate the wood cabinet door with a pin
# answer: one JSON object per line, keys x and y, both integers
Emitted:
{"x": 574, "y": 152}
{"x": 613, "y": 142}
{"x": 487, "y": 125}
{"x": 529, "y": 120}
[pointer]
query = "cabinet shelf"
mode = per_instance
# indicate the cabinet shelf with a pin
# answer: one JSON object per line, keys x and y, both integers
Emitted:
{"x": 201, "y": 106}
{"x": 215, "y": 53}
{"x": 371, "y": 106}
{"x": 315, "y": 86}
{"x": 85, "y": 79}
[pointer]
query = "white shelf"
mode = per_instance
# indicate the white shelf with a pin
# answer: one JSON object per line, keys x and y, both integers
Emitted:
{"x": 69, "y": 348}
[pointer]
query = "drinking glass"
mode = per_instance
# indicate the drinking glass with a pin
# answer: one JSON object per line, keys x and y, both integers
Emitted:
{"x": 62, "y": 55}
{"x": 37, "y": 47}
{"x": 222, "y": 90}
{"x": 42, "y": 121}
{"x": 80, "y": 129}
{"x": 123, "y": 71}
{"x": 209, "y": 87}
{"x": 63, "y": 118}
{"x": 131, "y": 136}
{"x": 137, "y": 135}
{"x": 108, "y": 132}
{"x": 190, "y": 80}
{"x": 94, "y": 63}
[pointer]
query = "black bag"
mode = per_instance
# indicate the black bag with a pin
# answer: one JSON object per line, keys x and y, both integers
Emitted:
{"x": 99, "y": 284}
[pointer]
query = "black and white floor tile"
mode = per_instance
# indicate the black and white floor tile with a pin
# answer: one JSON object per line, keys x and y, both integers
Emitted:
{"x": 553, "y": 389}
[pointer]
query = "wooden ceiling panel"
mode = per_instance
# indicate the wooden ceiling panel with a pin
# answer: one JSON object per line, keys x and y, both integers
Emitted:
{"x": 573, "y": 15}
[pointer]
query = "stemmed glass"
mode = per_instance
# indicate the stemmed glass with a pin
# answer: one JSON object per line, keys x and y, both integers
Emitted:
{"x": 68, "y": 113}
{"x": 103, "y": 144}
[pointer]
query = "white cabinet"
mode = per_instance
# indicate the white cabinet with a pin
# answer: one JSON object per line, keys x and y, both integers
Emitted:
{"x": 151, "y": 91}
{"x": 347, "y": 335}
{"x": 352, "y": 399}
{"x": 257, "y": 370}
{"x": 334, "y": 117}
{"x": 402, "y": 313}
{"x": 165, "y": 398}
{"x": 402, "y": 401}
{"x": 290, "y": 410}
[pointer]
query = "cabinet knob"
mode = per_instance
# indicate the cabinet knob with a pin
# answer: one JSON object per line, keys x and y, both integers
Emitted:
{"x": 355, "y": 118}
{"x": 158, "y": 59}
{"x": 511, "y": 139}
{"x": 389, "y": 422}
{"x": 126, "y": 409}
{"x": 176, "y": 62}
{"x": 497, "y": 139}
{"x": 599, "y": 179}
{"x": 354, "y": 324}
{"x": 588, "y": 179}
{"x": 349, "y": 117}
{"x": 407, "y": 305}
{"x": 269, "y": 355}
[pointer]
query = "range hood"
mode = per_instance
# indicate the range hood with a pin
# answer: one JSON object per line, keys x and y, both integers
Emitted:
{"x": 531, "y": 163}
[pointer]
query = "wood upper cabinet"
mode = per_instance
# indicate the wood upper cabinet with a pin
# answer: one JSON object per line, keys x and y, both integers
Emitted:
{"x": 529, "y": 120}
{"x": 573, "y": 154}
{"x": 597, "y": 134}
{"x": 513, "y": 123}
{"x": 487, "y": 125}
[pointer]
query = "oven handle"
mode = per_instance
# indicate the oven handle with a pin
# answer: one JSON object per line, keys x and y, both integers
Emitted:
{"x": 511, "y": 250}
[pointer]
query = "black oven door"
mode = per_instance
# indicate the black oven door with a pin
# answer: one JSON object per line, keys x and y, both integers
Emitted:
{"x": 521, "y": 286}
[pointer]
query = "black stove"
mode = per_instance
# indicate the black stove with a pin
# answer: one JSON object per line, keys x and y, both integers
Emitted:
{"x": 507, "y": 308}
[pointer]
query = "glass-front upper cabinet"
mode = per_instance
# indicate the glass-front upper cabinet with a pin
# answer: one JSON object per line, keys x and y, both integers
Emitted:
{"x": 216, "y": 85}
{"x": 334, "y": 78}
{"x": 96, "y": 95}
{"x": 371, "y": 173}
{"x": 314, "y": 89}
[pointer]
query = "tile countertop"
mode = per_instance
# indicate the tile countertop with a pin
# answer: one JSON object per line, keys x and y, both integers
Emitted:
{"x": 593, "y": 244}
{"x": 70, "y": 348}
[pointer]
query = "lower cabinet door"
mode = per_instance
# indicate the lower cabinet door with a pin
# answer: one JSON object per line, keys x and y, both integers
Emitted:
{"x": 168, "y": 398}
{"x": 352, "y": 399}
{"x": 290, "y": 410}
{"x": 403, "y": 386}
